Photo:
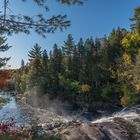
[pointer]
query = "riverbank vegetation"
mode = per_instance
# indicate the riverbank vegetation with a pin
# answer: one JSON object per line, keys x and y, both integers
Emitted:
{"x": 8, "y": 131}
{"x": 3, "y": 101}
{"x": 5, "y": 80}
{"x": 102, "y": 70}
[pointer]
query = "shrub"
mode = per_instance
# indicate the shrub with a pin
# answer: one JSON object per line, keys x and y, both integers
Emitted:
{"x": 8, "y": 131}
{"x": 107, "y": 92}
{"x": 85, "y": 88}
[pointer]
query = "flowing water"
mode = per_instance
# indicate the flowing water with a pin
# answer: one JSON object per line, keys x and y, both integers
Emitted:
{"x": 13, "y": 110}
{"x": 25, "y": 114}
{"x": 131, "y": 114}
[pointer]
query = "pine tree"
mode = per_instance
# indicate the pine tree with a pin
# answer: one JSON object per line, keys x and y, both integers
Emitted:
{"x": 81, "y": 52}
{"x": 16, "y": 23}
{"x": 68, "y": 46}
{"x": 136, "y": 19}
{"x": 45, "y": 71}
{"x": 45, "y": 61}
{"x": 57, "y": 59}
{"x": 35, "y": 71}
{"x": 68, "y": 54}
{"x": 3, "y": 47}
{"x": 55, "y": 68}
{"x": 75, "y": 65}
{"x": 22, "y": 64}
{"x": 35, "y": 53}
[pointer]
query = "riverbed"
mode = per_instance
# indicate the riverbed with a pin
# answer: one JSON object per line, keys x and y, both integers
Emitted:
{"x": 123, "y": 125}
{"x": 24, "y": 114}
{"x": 12, "y": 109}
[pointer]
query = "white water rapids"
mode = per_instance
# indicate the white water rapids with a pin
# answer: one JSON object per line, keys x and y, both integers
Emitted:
{"x": 128, "y": 114}
{"x": 26, "y": 114}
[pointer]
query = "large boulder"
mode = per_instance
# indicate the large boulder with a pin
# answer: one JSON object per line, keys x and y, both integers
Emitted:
{"x": 89, "y": 131}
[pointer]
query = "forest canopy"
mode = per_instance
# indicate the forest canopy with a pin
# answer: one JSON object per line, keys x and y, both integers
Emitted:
{"x": 103, "y": 69}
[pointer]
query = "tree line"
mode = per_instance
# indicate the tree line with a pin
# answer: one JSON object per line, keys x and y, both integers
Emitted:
{"x": 103, "y": 69}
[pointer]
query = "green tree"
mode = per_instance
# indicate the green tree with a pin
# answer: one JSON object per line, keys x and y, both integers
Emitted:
{"x": 16, "y": 23}
{"x": 45, "y": 71}
{"x": 136, "y": 19}
{"x": 35, "y": 71}
{"x": 35, "y": 53}
{"x": 68, "y": 45}
{"x": 22, "y": 64}
{"x": 68, "y": 54}
{"x": 3, "y": 47}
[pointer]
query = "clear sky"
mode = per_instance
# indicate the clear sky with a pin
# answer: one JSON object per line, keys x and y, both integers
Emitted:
{"x": 95, "y": 18}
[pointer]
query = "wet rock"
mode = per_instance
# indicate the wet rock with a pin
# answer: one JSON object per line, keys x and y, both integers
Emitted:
{"x": 92, "y": 131}
{"x": 23, "y": 99}
{"x": 124, "y": 125}
{"x": 113, "y": 131}
{"x": 130, "y": 127}
{"x": 89, "y": 131}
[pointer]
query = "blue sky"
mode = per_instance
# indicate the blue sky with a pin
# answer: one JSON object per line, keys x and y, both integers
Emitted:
{"x": 95, "y": 18}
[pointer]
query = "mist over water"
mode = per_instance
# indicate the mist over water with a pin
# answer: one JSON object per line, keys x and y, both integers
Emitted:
{"x": 46, "y": 112}
{"x": 38, "y": 100}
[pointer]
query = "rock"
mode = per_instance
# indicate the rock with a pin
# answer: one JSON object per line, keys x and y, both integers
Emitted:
{"x": 98, "y": 131}
{"x": 23, "y": 99}
{"x": 73, "y": 134}
{"x": 93, "y": 132}
{"x": 113, "y": 131}
{"x": 130, "y": 127}
{"x": 84, "y": 131}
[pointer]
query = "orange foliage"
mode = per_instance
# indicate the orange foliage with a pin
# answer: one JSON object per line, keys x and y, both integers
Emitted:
{"x": 85, "y": 88}
{"x": 137, "y": 86}
{"x": 5, "y": 75}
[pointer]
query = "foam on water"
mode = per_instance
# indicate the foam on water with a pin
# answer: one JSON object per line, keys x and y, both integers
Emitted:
{"x": 128, "y": 115}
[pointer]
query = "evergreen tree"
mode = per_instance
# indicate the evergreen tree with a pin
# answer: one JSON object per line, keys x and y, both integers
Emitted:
{"x": 68, "y": 46}
{"x": 15, "y": 23}
{"x": 81, "y": 51}
{"x": 68, "y": 53}
{"x": 22, "y": 64}
{"x": 35, "y": 53}
{"x": 57, "y": 59}
{"x": 3, "y": 47}
{"x": 45, "y": 71}
{"x": 75, "y": 65}
{"x": 45, "y": 60}
{"x": 35, "y": 72}
{"x": 55, "y": 68}
{"x": 136, "y": 19}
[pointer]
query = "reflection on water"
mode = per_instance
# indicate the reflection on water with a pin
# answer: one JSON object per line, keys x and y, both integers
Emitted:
{"x": 25, "y": 114}
{"x": 13, "y": 110}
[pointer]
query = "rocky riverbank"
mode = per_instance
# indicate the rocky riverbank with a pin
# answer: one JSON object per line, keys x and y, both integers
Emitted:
{"x": 121, "y": 126}
{"x": 124, "y": 125}
{"x": 3, "y": 101}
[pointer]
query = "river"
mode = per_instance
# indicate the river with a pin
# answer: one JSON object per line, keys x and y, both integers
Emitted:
{"x": 12, "y": 109}
{"x": 113, "y": 126}
{"x": 24, "y": 114}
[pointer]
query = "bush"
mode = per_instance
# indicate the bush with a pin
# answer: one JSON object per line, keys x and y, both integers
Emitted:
{"x": 85, "y": 88}
{"x": 107, "y": 93}
{"x": 8, "y": 131}
{"x": 127, "y": 95}
{"x": 126, "y": 100}
{"x": 3, "y": 100}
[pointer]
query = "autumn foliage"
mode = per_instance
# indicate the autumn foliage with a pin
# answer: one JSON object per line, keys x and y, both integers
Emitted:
{"x": 9, "y": 131}
{"x": 5, "y": 77}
